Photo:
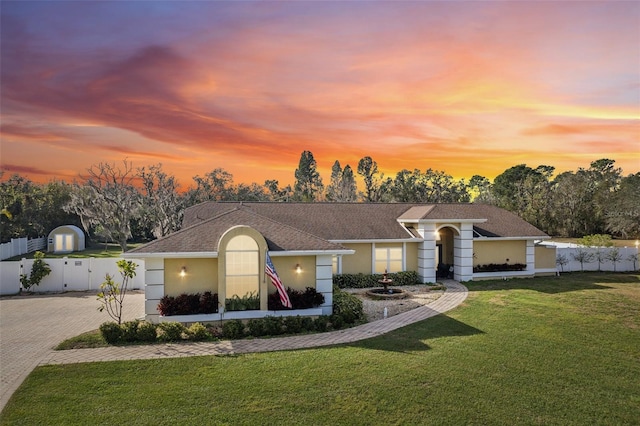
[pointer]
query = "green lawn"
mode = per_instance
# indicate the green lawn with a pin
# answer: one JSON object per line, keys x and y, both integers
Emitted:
{"x": 97, "y": 250}
{"x": 543, "y": 351}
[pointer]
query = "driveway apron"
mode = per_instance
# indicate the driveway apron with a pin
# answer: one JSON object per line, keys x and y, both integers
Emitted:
{"x": 31, "y": 325}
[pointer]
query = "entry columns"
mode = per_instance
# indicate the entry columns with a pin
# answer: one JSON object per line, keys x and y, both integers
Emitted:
{"x": 463, "y": 253}
{"x": 427, "y": 253}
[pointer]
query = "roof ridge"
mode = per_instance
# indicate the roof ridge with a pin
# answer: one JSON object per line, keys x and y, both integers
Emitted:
{"x": 183, "y": 230}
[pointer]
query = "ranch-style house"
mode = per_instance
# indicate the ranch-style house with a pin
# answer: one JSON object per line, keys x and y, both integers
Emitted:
{"x": 222, "y": 249}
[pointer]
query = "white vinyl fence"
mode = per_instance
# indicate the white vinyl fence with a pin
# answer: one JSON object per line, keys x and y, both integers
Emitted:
{"x": 85, "y": 274}
{"x": 18, "y": 246}
{"x": 625, "y": 263}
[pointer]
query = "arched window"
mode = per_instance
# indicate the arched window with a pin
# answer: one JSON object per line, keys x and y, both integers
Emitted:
{"x": 242, "y": 266}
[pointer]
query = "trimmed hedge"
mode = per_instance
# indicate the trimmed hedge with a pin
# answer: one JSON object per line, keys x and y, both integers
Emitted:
{"x": 500, "y": 267}
{"x": 371, "y": 280}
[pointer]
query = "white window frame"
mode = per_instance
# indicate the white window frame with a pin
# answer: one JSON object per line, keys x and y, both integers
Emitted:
{"x": 388, "y": 257}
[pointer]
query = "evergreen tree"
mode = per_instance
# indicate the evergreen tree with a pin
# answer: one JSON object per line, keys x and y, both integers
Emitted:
{"x": 308, "y": 186}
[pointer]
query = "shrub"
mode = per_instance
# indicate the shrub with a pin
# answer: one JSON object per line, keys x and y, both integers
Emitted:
{"x": 372, "y": 280}
{"x": 307, "y": 324}
{"x": 321, "y": 323}
{"x": 130, "y": 331}
{"x": 347, "y": 306}
{"x": 256, "y": 327}
{"x": 189, "y": 304}
{"x": 170, "y": 331}
{"x": 294, "y": 324}
{"x": 250, "y": 301}
{"x": 273, "y": 326}
{"x": 111, "y": 332}
{"x": 39, "y": 270}
{"x": 198, "y": 332}
{"x": 147, "y": 332}
{"x": 503, "y": 267}
{"x": 233, "y": 329}
{"x": 208, "y": 303}
{"x": 310, "y": 298}
{"x": 337, "y": 322}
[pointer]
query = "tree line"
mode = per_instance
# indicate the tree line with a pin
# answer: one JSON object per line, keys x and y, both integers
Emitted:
{"x": 120, "y": 203}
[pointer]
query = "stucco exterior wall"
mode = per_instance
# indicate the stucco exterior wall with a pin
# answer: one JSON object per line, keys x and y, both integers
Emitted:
{"x": 201, "y": 276}
{"x": 360, "y": 261}
{"x": 411, "y": 260}
{"x": 286, "y": 268}
{"x": 499, "y": 251}
{"x": 545, "y": 257}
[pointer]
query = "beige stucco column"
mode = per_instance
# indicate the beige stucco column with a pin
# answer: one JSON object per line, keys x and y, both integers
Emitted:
{"x": 463, "y": 253}
{"x": 427, "y": 253}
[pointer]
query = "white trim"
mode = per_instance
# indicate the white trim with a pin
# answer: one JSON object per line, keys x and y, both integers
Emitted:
{"x": 404, "y": 256}
{"x": 309, "y": 252}
{"x": 443, "y": 220}
{"x": 483, "y": 238}
{"x": 249, "y": 314}
{"x": 214, "y": 254}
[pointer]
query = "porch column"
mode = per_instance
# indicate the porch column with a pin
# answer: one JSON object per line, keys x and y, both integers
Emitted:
{"x": 153, "y": 288}
{"x": 324, "y": 281}
{"x": 427, "y": 253}
{"x": 463, "y": 253}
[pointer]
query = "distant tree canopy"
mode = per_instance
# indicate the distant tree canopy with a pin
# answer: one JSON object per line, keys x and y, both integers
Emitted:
{"x": 120, "y": 204}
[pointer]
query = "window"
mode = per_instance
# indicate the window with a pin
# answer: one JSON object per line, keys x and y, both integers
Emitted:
{"x": 389, "y": 258}
{"x": 335, "y": 263}
{"x": 243, "y": 266}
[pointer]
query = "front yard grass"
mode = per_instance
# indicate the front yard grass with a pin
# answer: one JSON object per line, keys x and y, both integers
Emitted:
{"x": 541, "y": 351}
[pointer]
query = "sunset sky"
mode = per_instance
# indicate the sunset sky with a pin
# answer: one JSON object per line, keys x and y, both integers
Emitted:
{"x": 460, "y": 86}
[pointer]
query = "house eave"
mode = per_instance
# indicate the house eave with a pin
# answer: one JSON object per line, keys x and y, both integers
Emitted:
{"x": 171, "y": 255}
{"x": 444, "y": 220}
{"x": 309, "y": 252}
{"x": 483, "y": 238}
{"x": 379, "y": 240}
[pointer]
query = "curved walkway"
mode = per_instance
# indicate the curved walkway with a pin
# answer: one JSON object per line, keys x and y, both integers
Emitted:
{"x": 453, "y": 296}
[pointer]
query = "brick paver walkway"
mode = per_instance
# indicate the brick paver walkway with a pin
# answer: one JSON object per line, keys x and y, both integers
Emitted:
{"x": 454, "y": 295}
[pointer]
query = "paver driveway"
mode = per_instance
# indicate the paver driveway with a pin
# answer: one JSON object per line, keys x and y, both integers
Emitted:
{"x": 30, "y": 326}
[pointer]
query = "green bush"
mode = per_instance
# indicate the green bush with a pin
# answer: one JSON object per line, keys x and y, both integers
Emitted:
{"x": 147, "y": 332}
{"x": 372, "y": 280}
{"x": 256, "y": 327}
{"x": 293, "y": 325}
{"x": 321, "y": 323}
{"x": 273, "y": 326}
{"x": 170, "y": 331}
{"x": 348, "y": 307}
{"x": 250, "y": 301}
{"x": 233, "y": 329}
{"x": 111, "y": 332}
{"x": 130, "y": 330}
{"x": 198, "y": 332}
{"x": 39, "y": 270}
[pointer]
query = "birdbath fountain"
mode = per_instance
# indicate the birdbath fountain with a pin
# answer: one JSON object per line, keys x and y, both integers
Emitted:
{"x": 386, "y": 282}
{"x": 387, "y": 292}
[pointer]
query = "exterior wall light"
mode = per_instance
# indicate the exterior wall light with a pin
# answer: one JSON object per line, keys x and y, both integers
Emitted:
{"x": 298, "y": 268}
{"x": 183, "y": 271}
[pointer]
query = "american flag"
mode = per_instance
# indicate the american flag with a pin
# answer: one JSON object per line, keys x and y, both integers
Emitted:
{"x": 275, "y": 280}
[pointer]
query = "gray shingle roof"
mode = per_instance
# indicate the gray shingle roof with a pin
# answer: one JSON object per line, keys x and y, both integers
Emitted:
{"x": 312, "y": 226}
{"x": 203, "y": 236}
